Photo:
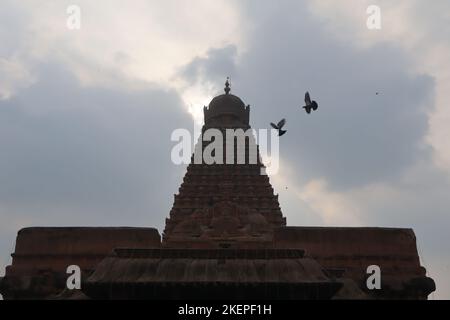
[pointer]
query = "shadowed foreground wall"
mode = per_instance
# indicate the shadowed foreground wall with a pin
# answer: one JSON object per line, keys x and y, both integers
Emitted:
{"x": 42, "y": 256}
{"x": 347, "y": 252}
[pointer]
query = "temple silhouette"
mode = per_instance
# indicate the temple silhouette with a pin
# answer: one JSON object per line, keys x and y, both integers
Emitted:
{"x": 225, "y": 238}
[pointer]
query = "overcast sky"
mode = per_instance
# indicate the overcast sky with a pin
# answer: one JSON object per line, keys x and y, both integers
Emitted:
{"x": 86, "y": 115}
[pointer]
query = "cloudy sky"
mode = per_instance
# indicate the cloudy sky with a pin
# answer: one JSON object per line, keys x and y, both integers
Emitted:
{"x": 86, "y": 115}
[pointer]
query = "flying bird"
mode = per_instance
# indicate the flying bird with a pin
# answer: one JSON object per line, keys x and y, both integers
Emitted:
{"x": 279, "y": 127}
{"x": 310, "y": 105}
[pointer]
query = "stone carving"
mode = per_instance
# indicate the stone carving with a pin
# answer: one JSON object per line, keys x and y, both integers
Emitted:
{"x": 225, "y": 220}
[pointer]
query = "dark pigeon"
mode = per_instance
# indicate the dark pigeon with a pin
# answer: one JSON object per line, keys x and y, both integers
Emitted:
{"x": 279, "y": 127}
{"x": 310, "y": 105}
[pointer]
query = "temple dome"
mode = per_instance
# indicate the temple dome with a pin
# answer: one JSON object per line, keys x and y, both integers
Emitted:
{"x": 227, "y": 101}
{"x": 227, "y": 107}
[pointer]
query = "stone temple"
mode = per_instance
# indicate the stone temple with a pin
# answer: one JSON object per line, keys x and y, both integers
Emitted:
{"x": 225, "y": 238}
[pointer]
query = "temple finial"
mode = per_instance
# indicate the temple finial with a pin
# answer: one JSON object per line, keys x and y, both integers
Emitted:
{"x": 227, "y": 86}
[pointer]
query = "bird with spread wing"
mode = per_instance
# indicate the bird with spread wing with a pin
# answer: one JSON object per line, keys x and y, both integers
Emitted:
{"x": 279, "y": 127}
{"x": 310, "y": 105}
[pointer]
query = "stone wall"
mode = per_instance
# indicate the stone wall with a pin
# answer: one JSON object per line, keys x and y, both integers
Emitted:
{"x": 347, "y": 252}
{"x": 42, "y": 255}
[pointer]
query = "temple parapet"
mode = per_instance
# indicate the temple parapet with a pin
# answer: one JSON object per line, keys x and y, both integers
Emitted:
{"x": 42, "y": 255}
{"x": 347, "y": 252}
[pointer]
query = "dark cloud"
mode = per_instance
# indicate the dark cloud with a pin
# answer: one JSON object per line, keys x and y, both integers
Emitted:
{"x": 357, "y": 137}
{"x": 214, "y": 67}
{"x": 90, "y": 156}
{"x": 78, "y": 155}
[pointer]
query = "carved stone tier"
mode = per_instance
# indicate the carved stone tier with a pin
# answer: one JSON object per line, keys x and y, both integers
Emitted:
{"x": 209, "y": 274}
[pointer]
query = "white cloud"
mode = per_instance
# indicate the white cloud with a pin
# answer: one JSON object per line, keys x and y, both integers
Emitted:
{"x": 148, "y": 40}
{"x": 335, "y": 208}
{"x": 314, "y": 203}
{"x": 13, "y": 75}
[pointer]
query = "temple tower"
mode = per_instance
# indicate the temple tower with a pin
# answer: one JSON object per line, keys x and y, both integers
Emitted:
{"x": 229, "y": 203}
